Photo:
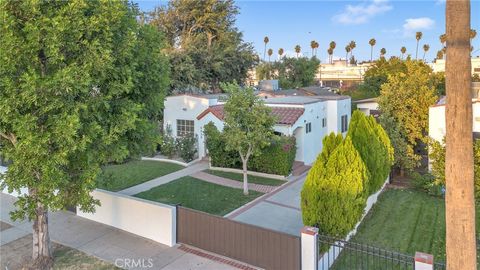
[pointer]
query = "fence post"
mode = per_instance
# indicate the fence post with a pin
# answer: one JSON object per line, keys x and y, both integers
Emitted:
{"x": 309, "y": 243}
{"x": 423, "y": 261}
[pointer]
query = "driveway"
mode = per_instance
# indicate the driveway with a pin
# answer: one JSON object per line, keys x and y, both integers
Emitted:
{"x": 279, "y": 210}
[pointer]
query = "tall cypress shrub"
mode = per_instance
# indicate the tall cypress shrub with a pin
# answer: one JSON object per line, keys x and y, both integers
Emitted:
{"x": 334, "y": 194}
{"x": 373, "y": 146}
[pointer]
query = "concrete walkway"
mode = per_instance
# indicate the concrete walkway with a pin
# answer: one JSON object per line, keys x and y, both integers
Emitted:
{"x": 278, "y": 210}
{"x": 231, "y": 183}
{"x": 105, "y": 242}
{"x": 197, "y": 167}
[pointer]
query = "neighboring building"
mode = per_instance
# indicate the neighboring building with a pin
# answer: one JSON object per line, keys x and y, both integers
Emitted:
{"x": 439, "y": 65}
{"x": 368, "y": 106}
{"x": 339, "y": 74}
{"x": 308, "y": 118}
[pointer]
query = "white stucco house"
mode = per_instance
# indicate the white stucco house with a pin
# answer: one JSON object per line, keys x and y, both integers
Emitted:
{"x": 368, "y": 106}
{"x": 309, "y": 119}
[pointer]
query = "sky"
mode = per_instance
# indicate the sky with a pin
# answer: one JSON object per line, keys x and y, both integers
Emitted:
{"x": 392, "y": 23}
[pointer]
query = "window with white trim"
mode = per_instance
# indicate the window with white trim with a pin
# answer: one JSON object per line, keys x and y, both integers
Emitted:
{"x": 185, "y": 127}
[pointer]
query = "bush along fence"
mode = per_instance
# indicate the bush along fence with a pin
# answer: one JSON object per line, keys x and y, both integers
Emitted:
{"x": 277, "y": 158}
{"x": 346, "y": 179}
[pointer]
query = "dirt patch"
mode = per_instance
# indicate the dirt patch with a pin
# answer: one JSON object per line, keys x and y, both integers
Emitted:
{"x": 17, "y": 254}
{"x": 4, "y": 226}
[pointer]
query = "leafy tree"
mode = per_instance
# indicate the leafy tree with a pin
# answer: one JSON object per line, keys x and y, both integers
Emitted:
{"x": 378, "y": 74}
{"x": 297, "y": 72}
{"x": 334, "y": 194}
{"x": 83, "y": 80}
{"x": 205, "y": 47}
{"x": 436, "y": 157}
{"x": 248, "y": 125}
{"x": 374, "y": 147}
{"x": 265, "y": 71}
{"x": 406, "y": 97}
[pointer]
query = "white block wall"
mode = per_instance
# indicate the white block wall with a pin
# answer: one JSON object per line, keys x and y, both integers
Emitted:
{"x": 148, "y": 219}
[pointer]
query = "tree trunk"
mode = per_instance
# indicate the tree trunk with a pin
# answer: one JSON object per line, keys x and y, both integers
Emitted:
{"x": 371, "y": 54}
{"x": 41, "y": 253}
{"x": 459, "y": 175}
{"x": 245, "y": 177}
{"x": 416, "y": 52}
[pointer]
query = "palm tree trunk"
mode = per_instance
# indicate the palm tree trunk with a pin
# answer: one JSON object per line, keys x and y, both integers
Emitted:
{"x": 424, "y": 56}
{"x": 416, "y": 52}
{"x": 264, "y": 52}
{"x": 371, "y": 53}
{"x": 459, "y": 175}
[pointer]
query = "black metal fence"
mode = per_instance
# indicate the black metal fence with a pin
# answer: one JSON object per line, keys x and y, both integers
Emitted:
{"x": 339, "y": 254}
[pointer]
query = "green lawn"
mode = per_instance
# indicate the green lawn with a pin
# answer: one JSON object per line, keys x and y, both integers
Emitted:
{"x": 118, "y": 177}
{"x": 197, "y": 194}
{"x": 406, "y": 221}
{"x": 72, "y": 259}
{"x": 251, "y": 178}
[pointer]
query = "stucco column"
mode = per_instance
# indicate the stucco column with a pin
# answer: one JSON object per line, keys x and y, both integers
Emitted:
{"x": 309, "y": 242}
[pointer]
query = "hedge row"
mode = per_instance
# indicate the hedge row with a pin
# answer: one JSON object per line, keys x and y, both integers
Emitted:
{"x": 277, "y": 158}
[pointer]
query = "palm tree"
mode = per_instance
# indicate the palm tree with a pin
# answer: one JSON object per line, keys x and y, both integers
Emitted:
{"x": 403, "y": 50}
{"x": 418, "y": 36}
{"x": 332, "y": 46}
{"x": 280, "y": 52}
{"x": 352, "y": 46}
{"x": 440, "y": 54}
{"x": 265, "y": 40}
{"x": 316, "y": 47}
{"x": 459, "y": 168}
{"x": 313, "y": 45}
{"x": 347, "y": 50}
{"x": 426, "y": 47}
{"x": 330, "y": 54}
{"x": 372, "y": 43}
{"x": 383, "y": 51}
{"x": 298, "y": 49}
{"x": 270, "y": 52}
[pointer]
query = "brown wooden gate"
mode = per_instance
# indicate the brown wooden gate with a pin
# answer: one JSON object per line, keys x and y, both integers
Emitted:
{"x": 244, "y": 242}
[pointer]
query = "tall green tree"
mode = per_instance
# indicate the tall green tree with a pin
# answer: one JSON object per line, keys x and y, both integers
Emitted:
{"x": 378, "y": 74}
{"x": 406, "y": 97}
{"x": 374, "y": 147}
{"x": 204, "y": 45}
{"x": 372, "y": 43}
{"x": 72, "y": 94}
{"x": 296, "y": 72}
{"x": 418, "y": 37}
{"x": 248, "y": 125}
{"x": 334, "y": 194}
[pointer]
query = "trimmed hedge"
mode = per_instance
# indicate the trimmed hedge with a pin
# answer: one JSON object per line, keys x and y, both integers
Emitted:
{"x": 277, "y": 158}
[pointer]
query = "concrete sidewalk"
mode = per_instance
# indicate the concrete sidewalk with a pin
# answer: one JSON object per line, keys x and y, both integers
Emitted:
{"x": 278, "y": 210}
{"x": 105, "y": 242}
{"x": 197, "y": 167}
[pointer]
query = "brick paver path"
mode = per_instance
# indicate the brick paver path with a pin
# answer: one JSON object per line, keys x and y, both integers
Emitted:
{"x": 231, "y": 183}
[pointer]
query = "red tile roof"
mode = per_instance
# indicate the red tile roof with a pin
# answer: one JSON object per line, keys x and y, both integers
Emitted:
{"x": 283, "y": 115}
